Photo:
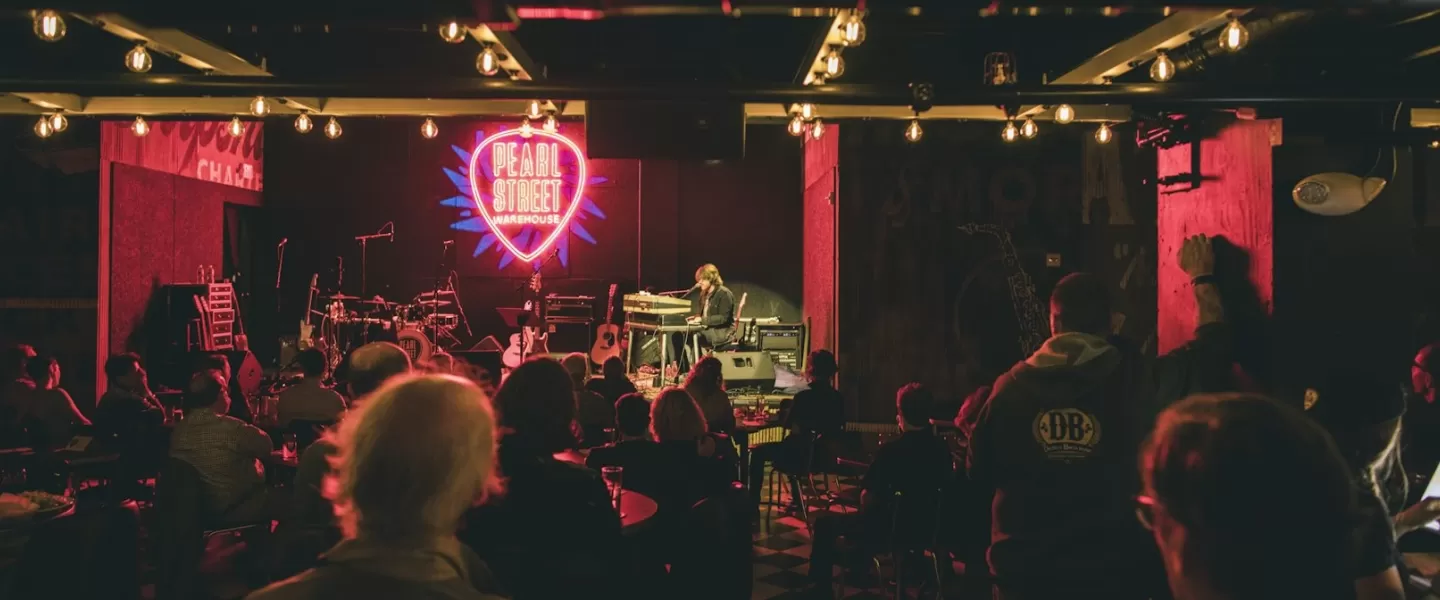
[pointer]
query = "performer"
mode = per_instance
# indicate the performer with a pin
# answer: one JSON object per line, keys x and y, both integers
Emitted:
{"x": 716, "y": 306}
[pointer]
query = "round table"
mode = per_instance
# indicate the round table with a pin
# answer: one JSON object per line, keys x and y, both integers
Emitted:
{"x": 636, "y": 509}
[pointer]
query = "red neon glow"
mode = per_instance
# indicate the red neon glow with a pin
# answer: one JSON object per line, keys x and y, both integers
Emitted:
{"x": 527, "y": 187}
{"x": 574, "y": 14}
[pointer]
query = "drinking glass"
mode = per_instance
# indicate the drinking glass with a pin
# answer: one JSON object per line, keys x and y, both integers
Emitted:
{"x": 614, "y": 480}
{"x": 287, "y": 451}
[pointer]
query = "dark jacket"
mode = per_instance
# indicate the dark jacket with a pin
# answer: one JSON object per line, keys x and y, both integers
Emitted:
{"x": 720, "y": 318}
{"x": 358, "y": 570}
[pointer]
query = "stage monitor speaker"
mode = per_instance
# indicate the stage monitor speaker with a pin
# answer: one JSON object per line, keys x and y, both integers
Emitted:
{"x": 747, "y": 370}
{"x": 489, "y": 344}
{"x": 489, "y": 361}
{"x": 565, "y": 338}
{"x": 689, "y": 130}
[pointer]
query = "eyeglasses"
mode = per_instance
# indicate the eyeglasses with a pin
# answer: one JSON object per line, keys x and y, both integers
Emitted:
{"x": 1145, "y": 508}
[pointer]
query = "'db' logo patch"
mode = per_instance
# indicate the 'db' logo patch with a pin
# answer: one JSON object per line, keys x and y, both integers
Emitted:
{"x": 1067, "y": 433}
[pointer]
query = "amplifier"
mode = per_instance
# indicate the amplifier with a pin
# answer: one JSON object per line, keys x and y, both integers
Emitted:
{"x": 784, "y": 342}
{"x": 572, "y": 308}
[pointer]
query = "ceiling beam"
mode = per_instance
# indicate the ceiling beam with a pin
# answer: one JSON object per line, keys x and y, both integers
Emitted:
{"x": 1098, "y": 114}
{"x": 828, "y": 39}
{"x": 150, "y": 106}
{"x": 513, "y": 59}
{"x": 186, "y": 48}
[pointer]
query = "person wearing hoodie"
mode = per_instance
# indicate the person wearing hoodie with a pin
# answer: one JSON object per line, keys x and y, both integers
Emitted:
{"x": 1058, "y": 439}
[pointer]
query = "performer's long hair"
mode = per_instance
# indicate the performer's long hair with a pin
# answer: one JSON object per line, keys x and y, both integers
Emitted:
{"x": 709, "y": 272}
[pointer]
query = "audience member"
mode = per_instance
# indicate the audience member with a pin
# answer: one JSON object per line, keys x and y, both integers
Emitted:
{"x": 554, "y": 534}
{"x": 706, "y": 385}
{"x": 593, "y": 412}
{"x": 15, "y": 383}
{"x": 635, "y": 451}
{"x": 917, "y": 464}
{"x": 413, "y": 458}
{"x": 128, "y": 407}
{"x": 1246, "y": 499}
{"x": 309, "y": 400}
{"x": 226, "y": 452}
{"x": 696, "y": 464}
{"x": 48, "y": 411}
{"x": 1422, "y": 414}
{"x": 817, "y": 412}
{"x": 613, "y": 383}
{"x": 239, "y": 407}
{"x": 1059, "y": 485}
{"x": 443, "y": 363}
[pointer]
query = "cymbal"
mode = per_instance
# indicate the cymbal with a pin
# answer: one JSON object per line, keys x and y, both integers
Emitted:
{"x": 434, "y": 302}
{"x": 343, "y": 297}
{"x": 379, "y": 301}
{"x": 433, "y": 294}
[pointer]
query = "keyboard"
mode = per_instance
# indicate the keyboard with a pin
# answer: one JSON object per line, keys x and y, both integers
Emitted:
{"x": 653, "y": 328}
{"x": 648, "y": 304}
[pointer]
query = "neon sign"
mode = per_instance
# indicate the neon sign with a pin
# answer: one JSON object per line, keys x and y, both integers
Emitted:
{"x": 521, "y": 181}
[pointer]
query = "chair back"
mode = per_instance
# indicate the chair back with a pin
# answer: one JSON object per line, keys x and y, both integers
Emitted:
{"x": 915, "y": 519}
{"x": 736, "y": 334}
{"x": 180, "y": 530}
{"x": 713, "y": 558}
{"x": 306, "y": 431}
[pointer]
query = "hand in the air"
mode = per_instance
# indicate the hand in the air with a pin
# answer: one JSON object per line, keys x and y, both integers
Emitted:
{"x": 1197, "y": 256}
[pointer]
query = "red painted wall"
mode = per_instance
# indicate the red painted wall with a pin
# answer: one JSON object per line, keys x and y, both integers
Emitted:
{"x": 822, "y": 158}
{"x": 1233, "y": 200}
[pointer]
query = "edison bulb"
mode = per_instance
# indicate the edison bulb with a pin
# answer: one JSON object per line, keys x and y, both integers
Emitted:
{"x": 817, "y": 129}
{"x": 1162, "y": 69}
{"x": 43, "y": 128}
{"x": 1029, "y": 129}
{"x": 526, "y": 129}
{"x": 236, "y": 127}
{"x": 487, "y": 62}
{"x": 1234, "y": 36}
{"x": 58, "y": 122}
{"x": 49, "y": 26}
{"x": 534, "y": 109}
{"x": 259, "y": 107}
{"x": 1064, "y": 114}
{"x": 852, "y": 31}
{"x": 303, "y": 124}
{"x": 1104, "y": 134}
{"x": 332, "y": 128}
{"x": 796, "y": 126}
{"x": 1010, "y": 133}
{"x": 913, "y": 131}
{"x": 140, "y": 128}
{"x": 452, "y": 32}
{"x": 429, "y": 129}
{"x": 138, "y": 59}
{"x": 1434, "y": 144}
{"x": 807, "y": 111}
{"x": 834, "y": 65}
{"x": 551, "y": 124}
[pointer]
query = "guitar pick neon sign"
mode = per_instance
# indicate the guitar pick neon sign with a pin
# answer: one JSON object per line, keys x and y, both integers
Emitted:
{"x": 528, "y": 187}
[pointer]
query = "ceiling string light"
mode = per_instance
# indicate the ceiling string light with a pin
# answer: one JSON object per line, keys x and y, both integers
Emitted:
{"x": 526, "y": 129}
{"x": 429, "y": 129}
{"x": 236, "y": 127}
{"x": 1029, "y": 129}
{"x": 1234, "y": 36}
{"x": 817, "y": 129}
{"x": 834, "y": 64}
{"x": 58, "y": 122}
{"x": 138, "y": 59}
{"x": 913, "y": 130}
{"x": 259, "y": 107}
{"x": 807, "y": 111}
{"x": 551, "y": 123}
{"x": 1162, "y": 69}
{"x": 49, "y": 25}
{"x": 535, "y": 109}
{"x": 42, "y": 127}
{"x": 796, "y": 126}
{"x": 852, "y": 31}
{"x": 140, "y": 127}
{"x": 332, "y": 128}
{"x": 303, "y": 124}
{"x": 1010, "y": 133}
{"x": 452, "y": 32}
{"x": 1064, "y": 114}
{"x": 1104, "y": 134}
{"x": 487, "y": 62}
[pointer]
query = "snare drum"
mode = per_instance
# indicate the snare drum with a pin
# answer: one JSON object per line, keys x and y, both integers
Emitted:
{"x": 414, "y": 342}
{"x": 443, "y": 320}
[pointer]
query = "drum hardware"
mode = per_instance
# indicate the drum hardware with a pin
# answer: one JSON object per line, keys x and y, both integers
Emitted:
{"x": 387, "y": 231}
{"x": 433, "y": 302}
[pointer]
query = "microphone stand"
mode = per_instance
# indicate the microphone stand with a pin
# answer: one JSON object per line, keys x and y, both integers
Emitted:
{"x": 455, "y": 290}
{"x": 364, "y": 245}
{"x": 279, "y": 270}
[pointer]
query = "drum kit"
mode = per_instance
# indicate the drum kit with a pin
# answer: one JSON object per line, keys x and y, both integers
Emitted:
{"x": 419, "y": 326}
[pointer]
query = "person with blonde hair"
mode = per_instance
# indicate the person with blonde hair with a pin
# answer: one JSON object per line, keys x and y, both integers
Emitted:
{"x": 412, "y": 459}
{"x": 706, "y": 384}
{"x": 696, "y": 463}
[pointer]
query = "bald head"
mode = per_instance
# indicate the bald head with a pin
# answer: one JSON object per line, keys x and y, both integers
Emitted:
{"x": 206, "y": 391}
{"x": 1080, "y": 304}
{"x": 372, "y": 364}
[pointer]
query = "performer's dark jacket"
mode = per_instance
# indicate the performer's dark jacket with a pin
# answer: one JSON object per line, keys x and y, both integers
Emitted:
{"x": 720, "y": 320}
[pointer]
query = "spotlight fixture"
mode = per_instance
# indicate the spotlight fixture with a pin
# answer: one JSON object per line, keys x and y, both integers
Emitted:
{"x": 551, "y": 123}
{"x": 1162, "y": 69}
{"x": 43, "y": 128}
{"x": 1010, "y": 133}
{"x": 796, "y": 126}
{"x": 834, "y": 64}
{"x": 58, "y": 122}
{"x": 429, "y": 129}
{"x": 487, "y": 62}
{"x": 303, "y": 124}
{"x": 526, "y": 129}
{"x": 535, "y": 109}
{"x": 1064, "y": 114}
{"x": 49, "y": 26}
{"x": 236, "y": 127}
{"x": 332, "y": 128}
{"x": 1029, "y": 129}
{"x": 852, "y": 31}
{"x": 452, "y": 32}
{"x": 807, "y": 111}
{"x": 913, "y": 131}
{"x": 139, "y": 127}
{"x": 138, "y": 59}
{"x": 1104, "y": 134}
{"x": 1234, "y": 36}
{"x": 259, "y": 107}
{"x": 817, "y": 129}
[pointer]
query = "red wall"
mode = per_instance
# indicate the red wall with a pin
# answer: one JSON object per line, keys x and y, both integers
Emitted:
{"x": 822, "y": 158}
{"x": 1233, "y": 200}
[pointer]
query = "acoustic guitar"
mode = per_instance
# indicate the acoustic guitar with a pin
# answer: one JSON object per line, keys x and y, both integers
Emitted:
{"x": 607, "y": 336}
{"x": 530, "y": 337}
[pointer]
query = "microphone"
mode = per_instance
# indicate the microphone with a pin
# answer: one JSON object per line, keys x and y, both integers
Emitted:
{"x": 283, "y": 241}
{"x": 391, "y": 226}
{"x": 449, "y": 243}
